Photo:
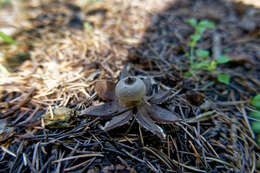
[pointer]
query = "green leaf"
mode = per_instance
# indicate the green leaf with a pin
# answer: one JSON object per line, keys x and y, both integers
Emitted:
{"x": 256, "y": 126}
{"x": 193, "y": 22}
{"x": 255, "y": 114}
{"x": 205, "y": 65}
{"x": 194, "y": 39}
{"x": 256, "y": 101}
{"x": 200, "y": 29}
{"x": 187, "y": 74}
{"x": 222, "y": 59}
{"x": 192, "y": 43}
{"x": 224, "y": 78}
{"x": 202, "y": 65}
{"x": 187, "y": 54}
{"x": 87, "y": 26}
{"x": 6, "y": 38}
{"x": 203, "y": 54}
{"x": 5, "y": 1}
{"x": 258, "y": 139}
{"x": 207, "y": 24}
{"x": 212, "y": 66}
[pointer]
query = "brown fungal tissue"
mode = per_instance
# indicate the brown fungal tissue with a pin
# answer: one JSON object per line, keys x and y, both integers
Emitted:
{"x": 130, "y": 99}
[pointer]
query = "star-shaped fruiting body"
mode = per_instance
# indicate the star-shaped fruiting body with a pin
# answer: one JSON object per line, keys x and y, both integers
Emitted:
{"x": 129, "y": 99}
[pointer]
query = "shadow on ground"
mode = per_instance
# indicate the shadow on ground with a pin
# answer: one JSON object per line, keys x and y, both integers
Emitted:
{"x": 161, "y": 54}
{"x": 167, "y": 38}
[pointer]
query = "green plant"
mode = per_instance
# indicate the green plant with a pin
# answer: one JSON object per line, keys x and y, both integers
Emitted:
{"x": 87, "y": 27}
{"x": 7, "y": 38}
{"x": 224, "y": 78}
{"x": 256, "y": 101}
{"x": 199, "y": 59}
{"x": 256, "y": 115}
{"x": 3, "y": 2}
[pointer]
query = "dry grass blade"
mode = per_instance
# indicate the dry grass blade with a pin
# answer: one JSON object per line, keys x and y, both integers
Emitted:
{"x": 8, "y": 151}
{"x": 79, "y": 156}
{"x": 160, "y": 156}
{"x": 246, "y": 120}
{"x": 132, "y": 156}
{"x": 202, "y": 117}
{"x": 188, "y": 167}
{"x": 196, "y": 152}
{"x": 79, "y": 165}
{"x": 163, "y": 157}
{"x": 220, "y": 161}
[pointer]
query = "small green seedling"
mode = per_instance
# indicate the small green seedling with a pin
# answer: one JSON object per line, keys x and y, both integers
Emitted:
{"x": 200, "y": 27}
{"x": 199, "y": 58}
{"x": 7, "y": 38}
{"x": 88, "y": 27}
{"x": 256, "y": 115}
{"x": 3, "y": 36}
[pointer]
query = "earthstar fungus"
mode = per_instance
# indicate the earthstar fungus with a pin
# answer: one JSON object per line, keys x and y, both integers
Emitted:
{"x": 131, "y": 99}
{"x": 130, "y": 91}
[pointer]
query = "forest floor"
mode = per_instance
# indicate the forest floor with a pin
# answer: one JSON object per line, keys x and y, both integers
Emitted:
{"x": 206, "y": 52}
